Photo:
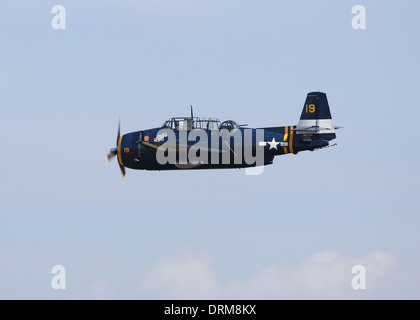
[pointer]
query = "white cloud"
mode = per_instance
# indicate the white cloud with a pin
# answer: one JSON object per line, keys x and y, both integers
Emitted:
{"x": 325, "y": 275}
{"x": 98, "y": 289}
{"x": 182, "y": 275}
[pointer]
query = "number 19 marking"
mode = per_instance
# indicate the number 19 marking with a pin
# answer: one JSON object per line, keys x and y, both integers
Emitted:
{"x": 310, "y": 108}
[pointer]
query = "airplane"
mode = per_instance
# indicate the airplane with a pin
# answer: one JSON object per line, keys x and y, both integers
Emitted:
{"x": 174, "y": 145}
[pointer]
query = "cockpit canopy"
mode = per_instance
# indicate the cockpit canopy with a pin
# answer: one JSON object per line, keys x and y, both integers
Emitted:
{"x": 229, "y": 125}
{"x": 181, "y": 123}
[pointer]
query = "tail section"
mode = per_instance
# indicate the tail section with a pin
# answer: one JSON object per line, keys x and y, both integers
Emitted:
{"x": 315, "y": 128}
{"x": 316, "y": 117}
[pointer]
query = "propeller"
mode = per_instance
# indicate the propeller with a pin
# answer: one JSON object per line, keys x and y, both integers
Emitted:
{"x": 114, "y": 152}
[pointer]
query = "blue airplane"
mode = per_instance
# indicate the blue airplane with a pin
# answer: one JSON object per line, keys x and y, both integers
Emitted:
{"x": 206, "y": 143}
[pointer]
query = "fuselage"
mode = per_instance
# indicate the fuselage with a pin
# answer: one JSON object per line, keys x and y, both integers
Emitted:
{"x": 228, "y": 149}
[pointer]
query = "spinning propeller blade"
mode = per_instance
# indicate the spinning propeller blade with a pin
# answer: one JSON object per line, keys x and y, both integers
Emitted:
{"x": 114, "y": 152}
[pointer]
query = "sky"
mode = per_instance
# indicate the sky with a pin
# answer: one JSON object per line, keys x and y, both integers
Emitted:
{"x": 293, "y": 232}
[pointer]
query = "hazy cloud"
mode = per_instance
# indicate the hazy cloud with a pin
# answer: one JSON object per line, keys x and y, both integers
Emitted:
{"x": 97, "y": 289}
{"x": 326, "y": 274}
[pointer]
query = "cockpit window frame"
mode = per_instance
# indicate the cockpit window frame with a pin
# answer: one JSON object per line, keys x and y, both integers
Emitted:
{"x": 188, "y": 123}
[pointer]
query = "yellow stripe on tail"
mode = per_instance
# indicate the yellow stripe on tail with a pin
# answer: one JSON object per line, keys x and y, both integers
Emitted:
{"x": 291, "y": 139}
{"x": 286, "y": 134}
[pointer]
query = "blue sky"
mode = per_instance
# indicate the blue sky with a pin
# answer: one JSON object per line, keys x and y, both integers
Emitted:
{"x": 293, "y": 232}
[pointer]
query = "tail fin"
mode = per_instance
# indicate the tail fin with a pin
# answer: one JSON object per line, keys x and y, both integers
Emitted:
{"x": 316, "y": 118}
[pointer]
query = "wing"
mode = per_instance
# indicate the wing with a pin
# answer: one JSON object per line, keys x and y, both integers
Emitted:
{"x": 155, "y": 145}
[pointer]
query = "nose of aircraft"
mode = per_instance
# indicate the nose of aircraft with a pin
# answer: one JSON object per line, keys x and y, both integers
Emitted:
{"x": 128, "y": 150}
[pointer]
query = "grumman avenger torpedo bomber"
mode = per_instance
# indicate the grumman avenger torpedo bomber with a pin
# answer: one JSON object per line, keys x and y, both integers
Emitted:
{"x": 206, "y": 143}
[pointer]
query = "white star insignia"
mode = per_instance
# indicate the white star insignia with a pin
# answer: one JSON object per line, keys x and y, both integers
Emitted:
{"x": 273, "y": 144}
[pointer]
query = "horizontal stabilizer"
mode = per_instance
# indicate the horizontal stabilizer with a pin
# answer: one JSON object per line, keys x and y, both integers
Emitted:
{"x": 313, "y": 129}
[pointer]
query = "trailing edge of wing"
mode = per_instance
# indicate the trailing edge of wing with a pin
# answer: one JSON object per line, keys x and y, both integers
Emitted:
{"x": 156, "y": 145}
